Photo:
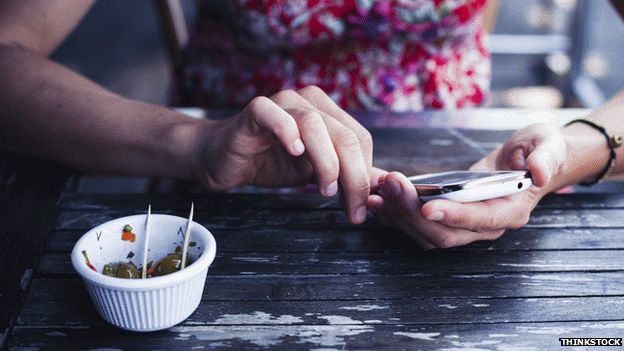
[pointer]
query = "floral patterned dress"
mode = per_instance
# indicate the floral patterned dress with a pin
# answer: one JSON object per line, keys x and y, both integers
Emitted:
{"x": 399, "y": 55}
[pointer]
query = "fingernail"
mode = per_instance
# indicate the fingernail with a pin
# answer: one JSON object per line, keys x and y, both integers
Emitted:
{"x": 360, "y": 214}
{"x": 435, "y": 216}
{"x": 331, "y": 189}
{"x": 298, "y": 147}
{"x": 393, "y": 187}
{"x": 382, "y": 179}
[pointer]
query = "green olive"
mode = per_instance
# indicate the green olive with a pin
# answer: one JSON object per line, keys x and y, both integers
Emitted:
{"x": 108, "y": 270}
{"x": 169, "y": 264}
{"x": 128, "y": 271}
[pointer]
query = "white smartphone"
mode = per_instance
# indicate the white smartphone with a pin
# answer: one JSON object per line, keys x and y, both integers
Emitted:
{"x": 467, "y": 186}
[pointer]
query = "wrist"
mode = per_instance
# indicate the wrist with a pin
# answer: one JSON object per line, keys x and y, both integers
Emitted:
{"x": 587, "y": 154}
{"x": 180, "y": 142}
{"x": 206, "y": 148}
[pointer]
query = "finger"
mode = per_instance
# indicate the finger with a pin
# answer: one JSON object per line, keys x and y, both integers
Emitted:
{"x": 480, "y": 216}
{"x": 518, "y": 159}
{"x": 414, "y": 233}
{"x": 400, "y": 219}
{"x": 544, "y": 161}
{"x": 441, "y": 236}
{"x": 376, "y": 175}
{"x": 435, "y": 234}
{"x": 427, "y": 233}
{"x": 376, "y": 204}
{"x": 353, "y": 177}
{"x": 319, "y": 149}
{"x": 398, "y": 188}
{"x": 265, "y": 115}
{"x": 384, "y": 213}
{"x": 354, "y": 174}
{"x": 402, "y": 202}
{"x": 445, "y": 237}
{"x": 319, "y": 99}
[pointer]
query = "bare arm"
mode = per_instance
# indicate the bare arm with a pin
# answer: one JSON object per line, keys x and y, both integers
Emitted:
{"x": 40, "y": 25}
{"x": 587, "y": 151}
{"x": 555, "y": 156}
{"x": 49, "y": 111}
{"x": 46, "y": 110}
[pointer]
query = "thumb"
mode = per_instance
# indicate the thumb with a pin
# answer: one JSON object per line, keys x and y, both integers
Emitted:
{"x": 377, "y": 175}
{"x": 544, "y": 162}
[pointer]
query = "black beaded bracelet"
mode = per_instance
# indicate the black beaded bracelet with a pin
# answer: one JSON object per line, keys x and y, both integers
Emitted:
{"x": 613, "y": 142}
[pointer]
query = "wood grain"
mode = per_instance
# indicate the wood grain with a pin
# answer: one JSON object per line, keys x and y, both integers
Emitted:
{"x": 383, "y": 240}
{"x": 64, "y": 290}
{"x": 365, "y": 336}
{"x": 281, "y": 201}
{"x": 246, "y": 219}
{"x": 382, "y": 263}
{"x": 27, "y": 211}
{"x": 292, "y": 274}
{"x": 429, "y": 310}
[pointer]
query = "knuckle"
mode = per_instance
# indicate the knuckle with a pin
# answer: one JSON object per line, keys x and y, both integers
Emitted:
{"x": 330, "y": 167}
{"x": 461, "y": 219}
{"x": 311, "y": 90}
{"x": 444, "y": 241}
{"x": 489, "y": 223}
{"x": 258, "y": 104}
{"x": 285, "y": 95}
{"x": 362, "y": 188}
{"x": 309, "y": 119}
{"x": 365, "y": 137}
{"x": 458, "y": 217}
{"x": 522, "y": 220}
{"x": 498, "y": 234}
{"x": 348, "y": 138}
{"x": 357, "y": 188}
{"x": 283, "y": 128}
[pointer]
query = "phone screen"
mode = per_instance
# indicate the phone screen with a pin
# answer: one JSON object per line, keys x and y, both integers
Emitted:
{"x": 454, "y": 177}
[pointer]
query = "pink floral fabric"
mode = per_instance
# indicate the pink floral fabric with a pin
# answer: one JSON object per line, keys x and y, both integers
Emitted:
{"x": 400, "y": 55}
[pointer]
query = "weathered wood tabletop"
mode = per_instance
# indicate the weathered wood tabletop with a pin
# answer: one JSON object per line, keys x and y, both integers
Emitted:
{"x": 291, "y": 273}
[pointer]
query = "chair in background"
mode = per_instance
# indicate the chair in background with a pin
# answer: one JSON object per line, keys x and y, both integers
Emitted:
{"x": 173, "y": 25}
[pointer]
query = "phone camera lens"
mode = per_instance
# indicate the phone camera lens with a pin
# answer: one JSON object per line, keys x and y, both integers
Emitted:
{"x": 520, "y": 185}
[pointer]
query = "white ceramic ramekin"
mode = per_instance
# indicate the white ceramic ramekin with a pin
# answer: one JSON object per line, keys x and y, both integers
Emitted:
{"x": 144, "y": 304}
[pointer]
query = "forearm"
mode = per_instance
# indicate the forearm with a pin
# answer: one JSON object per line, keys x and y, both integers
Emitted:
{"x": 51, "y": 112}
{"x": 587, "y": 150}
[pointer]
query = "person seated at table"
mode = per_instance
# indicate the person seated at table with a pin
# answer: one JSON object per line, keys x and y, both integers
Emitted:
{"x": 373, "y": 55}
{"x": 379, "y": 54}
{"x": 585, "y": 151}
{"x": 290, "y": 66}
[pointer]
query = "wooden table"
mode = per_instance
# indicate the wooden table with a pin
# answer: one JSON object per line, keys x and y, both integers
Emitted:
{"x": 291, "y": 273}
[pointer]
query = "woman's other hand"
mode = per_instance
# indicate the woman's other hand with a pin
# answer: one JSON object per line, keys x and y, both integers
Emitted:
{"x": 290, "y": 138}
{"x": 540, "y": 148}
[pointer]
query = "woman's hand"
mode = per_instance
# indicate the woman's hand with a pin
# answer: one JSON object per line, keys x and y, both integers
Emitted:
{"x": 540, "y": 148}
{"x": 290, "y": 138}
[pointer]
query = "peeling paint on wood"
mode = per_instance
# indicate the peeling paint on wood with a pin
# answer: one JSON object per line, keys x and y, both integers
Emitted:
{"x": 292, "y": 273}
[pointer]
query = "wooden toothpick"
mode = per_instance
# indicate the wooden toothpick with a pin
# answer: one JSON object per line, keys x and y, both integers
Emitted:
{"x": 146, "y": 242}
{"x": 187, "y": 236}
